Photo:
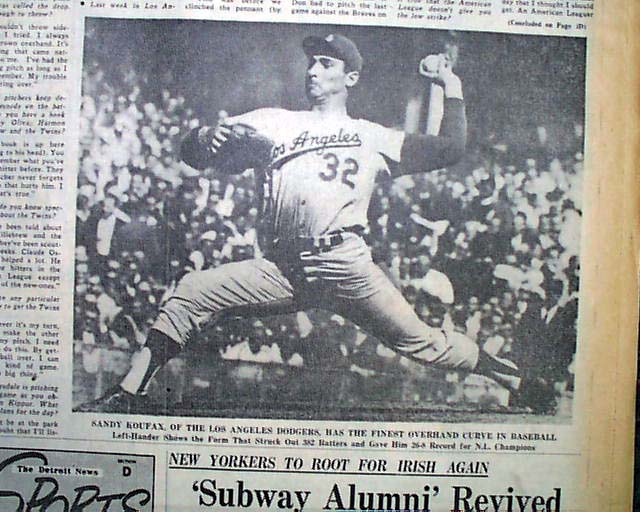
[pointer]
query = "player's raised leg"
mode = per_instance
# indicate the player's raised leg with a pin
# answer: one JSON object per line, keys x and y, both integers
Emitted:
{"x": 250, "y": 287}
{"x": 372, "y": 302}
{"x": 379, "y": 308}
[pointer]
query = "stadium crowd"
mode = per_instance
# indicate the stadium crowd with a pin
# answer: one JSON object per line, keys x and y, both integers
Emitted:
{"x": 489, "y": 247}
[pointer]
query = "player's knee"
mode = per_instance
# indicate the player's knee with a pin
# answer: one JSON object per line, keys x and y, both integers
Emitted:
{"x": 190, "y": 284}
{"x": 201, "y": 293}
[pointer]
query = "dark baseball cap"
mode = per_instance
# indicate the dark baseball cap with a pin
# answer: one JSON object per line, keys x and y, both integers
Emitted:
{"x": 337, "y": 46}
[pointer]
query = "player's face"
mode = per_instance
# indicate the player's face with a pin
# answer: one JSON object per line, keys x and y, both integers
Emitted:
{"x": 326, "y": 77}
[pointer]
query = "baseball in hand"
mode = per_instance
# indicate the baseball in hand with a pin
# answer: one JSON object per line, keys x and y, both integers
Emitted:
{"x": 430, "y": 64}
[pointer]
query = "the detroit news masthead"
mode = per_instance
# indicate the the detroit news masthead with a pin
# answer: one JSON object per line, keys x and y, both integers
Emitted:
{"x": 317, "y": 255}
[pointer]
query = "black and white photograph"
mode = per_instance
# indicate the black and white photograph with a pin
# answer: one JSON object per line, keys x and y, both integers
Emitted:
{"x": 327, "y": 222}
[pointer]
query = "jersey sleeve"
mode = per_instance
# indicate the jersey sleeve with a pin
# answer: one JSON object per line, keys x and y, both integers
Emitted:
{"x": 388, "y": 143}
{"x": 427, "y": 152}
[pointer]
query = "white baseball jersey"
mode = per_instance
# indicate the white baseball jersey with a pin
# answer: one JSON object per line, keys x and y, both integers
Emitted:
{"x": 324, "y": 168}
{"x": 321, "y": 178}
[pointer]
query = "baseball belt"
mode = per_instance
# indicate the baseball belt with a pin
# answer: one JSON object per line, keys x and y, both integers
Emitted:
{"x": 317, "y": 244}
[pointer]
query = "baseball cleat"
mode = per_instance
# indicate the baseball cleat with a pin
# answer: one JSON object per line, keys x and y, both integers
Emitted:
{"x": 537, "y": 394}
{"x": 116, "y": 400}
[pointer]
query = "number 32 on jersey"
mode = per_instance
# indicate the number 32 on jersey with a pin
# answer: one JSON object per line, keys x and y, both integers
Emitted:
{"x": 339, "y": 169}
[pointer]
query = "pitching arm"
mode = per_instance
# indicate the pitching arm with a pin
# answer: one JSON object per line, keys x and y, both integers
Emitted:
{"x": 421, "y": 152}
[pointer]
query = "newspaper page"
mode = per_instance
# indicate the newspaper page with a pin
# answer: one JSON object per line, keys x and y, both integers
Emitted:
{"x": 317, "y": 255}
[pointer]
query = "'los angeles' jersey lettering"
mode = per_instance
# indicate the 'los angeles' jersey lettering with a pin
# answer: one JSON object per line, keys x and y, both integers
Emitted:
{"x": 320, "y": 142}
{"x": 305, "y": 142}
{"x": 323, "y": 170}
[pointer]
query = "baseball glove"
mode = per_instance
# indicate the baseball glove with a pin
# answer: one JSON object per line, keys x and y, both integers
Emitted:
{"x": 244, "y": 149}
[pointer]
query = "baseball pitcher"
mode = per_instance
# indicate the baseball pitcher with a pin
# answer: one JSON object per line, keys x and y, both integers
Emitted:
{"x": 316, "y": 171}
